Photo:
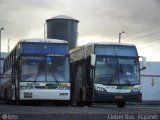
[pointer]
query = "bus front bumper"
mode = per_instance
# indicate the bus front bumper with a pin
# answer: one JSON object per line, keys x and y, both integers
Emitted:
{"x": 45, "y": 94}
{"x": 115, "y": 97}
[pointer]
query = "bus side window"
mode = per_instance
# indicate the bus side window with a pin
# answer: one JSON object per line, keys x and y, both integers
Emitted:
{"x": 79, "y": 73}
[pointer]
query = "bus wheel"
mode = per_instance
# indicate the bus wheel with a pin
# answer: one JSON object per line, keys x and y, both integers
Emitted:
{"x": 5, "y": 95}
{"x": 88, "y": 103}
{"x": 81, "y": 104}
{"x": 73, "y": 103}
{"x": 10, "y": 102}
{"x": 121, "y": 104}
{"x": 17, "y": 101}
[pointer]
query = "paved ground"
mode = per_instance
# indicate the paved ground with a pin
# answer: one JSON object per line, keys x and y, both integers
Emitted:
{"x": 96, "y": 112}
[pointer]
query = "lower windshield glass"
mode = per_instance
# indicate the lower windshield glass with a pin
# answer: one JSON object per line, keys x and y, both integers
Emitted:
{"x": 128, "y": 71}
{"x": 106, "y": 70}
{"x": 113, "y": 71}
{"x": 33, "y": 68}
{"x": 45, "y": 69}
{"x": 57, "y": 69}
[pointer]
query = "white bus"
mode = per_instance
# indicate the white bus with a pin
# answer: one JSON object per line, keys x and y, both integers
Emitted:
{"x": 105, "y": 72}
{"x": 35, "y": 70}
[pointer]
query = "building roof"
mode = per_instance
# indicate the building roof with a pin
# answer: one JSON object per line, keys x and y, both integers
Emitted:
{"x": 62, "y": 17}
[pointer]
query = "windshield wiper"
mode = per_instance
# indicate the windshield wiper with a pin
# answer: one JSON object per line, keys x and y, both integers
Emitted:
{"x": 55, "y": 78}
{"x": 36, "y": 77}
{"x": 39, "y": 75}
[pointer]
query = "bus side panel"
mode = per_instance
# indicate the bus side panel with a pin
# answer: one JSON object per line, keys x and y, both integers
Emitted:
{"x": 6, "y": 91}
{"x": 89, "y": 80}
{"x": 76, "y": 75}
{"x": 45, "y": 94}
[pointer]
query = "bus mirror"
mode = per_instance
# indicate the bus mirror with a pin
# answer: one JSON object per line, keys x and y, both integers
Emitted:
{"x": 93, "y": 59}
{"x": 143, "y": 63}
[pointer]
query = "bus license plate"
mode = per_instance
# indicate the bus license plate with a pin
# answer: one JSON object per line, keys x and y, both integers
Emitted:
{"x": 27, "y": 94}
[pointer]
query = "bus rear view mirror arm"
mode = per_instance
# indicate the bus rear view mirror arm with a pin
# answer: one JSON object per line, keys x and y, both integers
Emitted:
{"x": 143, "y": 62}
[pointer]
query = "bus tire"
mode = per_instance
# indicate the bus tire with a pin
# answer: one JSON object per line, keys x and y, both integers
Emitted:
{"x": 10, "y": 102}
{"x": 5, "y": 94}
{"x": 121, "y": 104}
{"x": 17, "y": 101}
{"x": 81, "y": 102}
{"x": 88, "y": 103}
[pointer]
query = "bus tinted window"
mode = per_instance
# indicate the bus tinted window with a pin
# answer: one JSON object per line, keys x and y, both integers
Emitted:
{"x": 45, "y": 69}
{"x": 116, "y": 50}
{"x": 57, "y": 69}
{"x": 44, "y": 48}
{"x": 126, "y": 51}
{"x": 33, "y": 69}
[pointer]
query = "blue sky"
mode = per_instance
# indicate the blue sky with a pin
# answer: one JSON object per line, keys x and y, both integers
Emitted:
{"x": 100, "y": 20}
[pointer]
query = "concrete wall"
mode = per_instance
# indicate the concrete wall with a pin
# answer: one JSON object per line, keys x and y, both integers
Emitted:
{"x": 150, "y": 82}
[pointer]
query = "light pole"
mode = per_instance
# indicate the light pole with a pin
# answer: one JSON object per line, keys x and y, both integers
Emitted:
{"x": 0, "y": 48}
{"x": 45, "y": 30}
{"x": 8, "y": 45}
{"x": 120, "y": 36}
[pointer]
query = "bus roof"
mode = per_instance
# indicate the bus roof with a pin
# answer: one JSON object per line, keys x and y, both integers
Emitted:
{"x": 101, "y": 43}
{"x": 43, "y": 40}
{"x": 109, "y": 43}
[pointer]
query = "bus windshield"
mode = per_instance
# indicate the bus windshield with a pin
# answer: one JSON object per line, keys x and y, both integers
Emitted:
{"x": 49, "y": 68}
{"x": 113, "y": 71}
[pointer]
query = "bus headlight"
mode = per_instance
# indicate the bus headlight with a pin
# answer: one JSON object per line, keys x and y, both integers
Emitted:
{"x": 100, "y": 89}
{"x": 64, "y": 86}
{"x": 135, "y": 90}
